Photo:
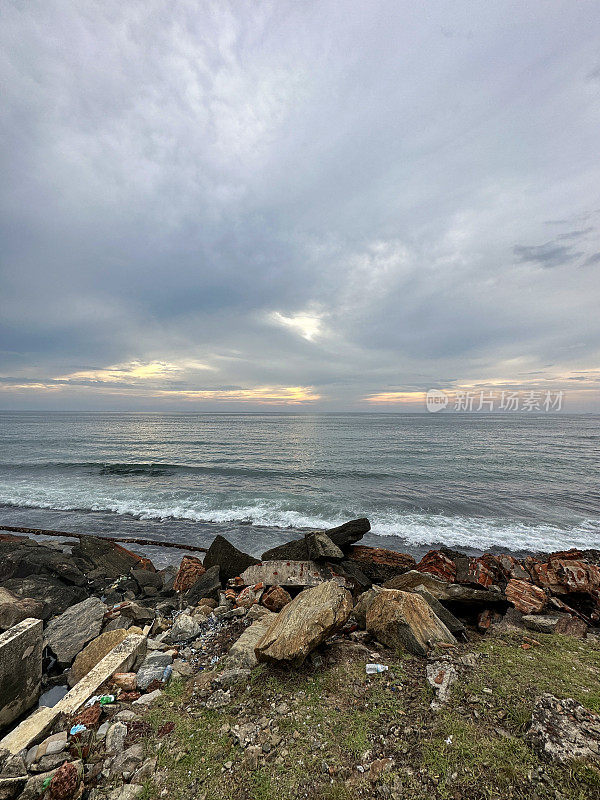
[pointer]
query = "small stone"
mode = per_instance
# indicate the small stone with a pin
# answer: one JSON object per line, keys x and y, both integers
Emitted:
{"x": 218, "y": 699}
{"x": 115, "y": 738}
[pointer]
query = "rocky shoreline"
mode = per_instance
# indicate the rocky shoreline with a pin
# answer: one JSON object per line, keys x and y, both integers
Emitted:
{"x": 110, "y": 637}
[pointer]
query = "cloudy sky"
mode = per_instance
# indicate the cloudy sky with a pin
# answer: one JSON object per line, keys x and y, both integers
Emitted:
{"x": 297, "y": 205}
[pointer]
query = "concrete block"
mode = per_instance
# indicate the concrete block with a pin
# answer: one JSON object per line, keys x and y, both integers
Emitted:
{"x": 20, "y": 669}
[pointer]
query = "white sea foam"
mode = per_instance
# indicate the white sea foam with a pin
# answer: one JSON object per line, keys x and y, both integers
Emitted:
{"x": 413, "y": 528}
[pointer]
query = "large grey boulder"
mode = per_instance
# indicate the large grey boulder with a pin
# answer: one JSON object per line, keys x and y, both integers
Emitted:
{"x": 110, "y": 558}
{"x": 19, "y": 558}
{"x": 314, "y": 546}
{"x": 68, "y": 634}
{"x": 153, "y": 668}
{"x": 54, "y": 594}
{"x": 231, "y": 561}
{"x": 562, "y": 730}
{"x": 405, "y": 620}
{"x": 304, "y": 623}
{"x": 207, "y": 585}
{"x": 185, "y": 628}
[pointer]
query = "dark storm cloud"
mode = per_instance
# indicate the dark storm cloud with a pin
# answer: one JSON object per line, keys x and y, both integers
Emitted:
{"x": 213, "y": 196}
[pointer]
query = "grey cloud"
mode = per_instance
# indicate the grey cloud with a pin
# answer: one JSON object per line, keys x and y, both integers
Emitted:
{"x": 548, "y": 255}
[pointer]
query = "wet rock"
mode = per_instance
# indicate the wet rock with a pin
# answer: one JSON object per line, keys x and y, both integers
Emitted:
{"x": 319, "y": 547}
{"x": 14, "y": 609}
{"x": 404, "y": 619}
{"x": 207, "y": 586}
{"x": 67, "y": 634}
{"x": 276, "y": 598}
{"x": 344, "y": 536}
{"x": 540, "y": 622}
{"x": 21, "y": 559}
{"x": 304, "y": 623}
{"x": 379, "y": 564}
{"x": 229, "y": 559}
{"x": 109, "y": 558}
{"x": 93, "y": 653}
{"x": 562, "y": 730}
{"x": 152, "y": 668}
{"x": 190, "y": 569}
{"x": 54, "y": 595}
{"x": 525, "y": 597}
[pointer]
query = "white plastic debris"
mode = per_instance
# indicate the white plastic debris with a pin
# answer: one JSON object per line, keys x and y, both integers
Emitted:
{"x": 374, "y": 669}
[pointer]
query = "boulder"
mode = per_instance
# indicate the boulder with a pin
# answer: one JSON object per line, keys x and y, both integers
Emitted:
{"x": 405, "y": 620}
{"x": 571, "y": 626}
{"x": 314, "y": 546}
{"x": 208, "y": 585}
{"x": 109, "y": 558}
{"x": 344, "y": 536}
{"x": 443, "y": 591}
{"x": 525, "y": 597}
{"x": 146, "y": 578}
{"x": 379, "y": 564}
{"x": 20, "y": 669}
{"x": 410, "y": 581}
{"x": 54, "y": 595}
{"x": 18, "y": 560}
{"x": 190, "y": 569}
{"x": 15, "y": 609}
{"x": 562, "y": 730}
{"x": 185, "y": 628}
{"x": 437, "y": 563}
{"x": 93, "y": 653}
{"x": 304, "y": 623}
{"x": 68, "y": 634}
{"x": 152, "y": 668}
{"x": 352, "y": 574}
{"x": 275, "y": 598}
{"x": 231, "y": 561}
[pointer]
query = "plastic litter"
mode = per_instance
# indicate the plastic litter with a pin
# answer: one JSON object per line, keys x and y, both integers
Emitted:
{"x": 168, "y": 671}
{"x": 77, "y": 729}
{"x": 374, "y": 669}
{"x": 46, "y": 784}
{"x": 92, "y": 701}
{"x": 106, "y": 699}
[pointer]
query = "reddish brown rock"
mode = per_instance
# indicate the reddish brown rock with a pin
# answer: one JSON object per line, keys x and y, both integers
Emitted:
{"x": 249, "y": 596}
{"x": 525, "y": 597}
{"x": 127, "y": 681}
{"x": 512, "y": 568}
{"x": 190, "y": 569}
{"x": 437, "y": 563}
{"x": 276, "y": 598}
{"x": 88, "y": 717}
{"x": 65, "y": 782}
{"x": 379, "y": 564}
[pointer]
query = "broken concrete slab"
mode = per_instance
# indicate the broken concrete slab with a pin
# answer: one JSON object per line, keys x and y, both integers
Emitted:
{"x": 288, "y": 573}
{"x": 35, "y": 727}
{"x": 93, "y": 653}
{"x": 20, "y": 669}
{"x": 405, "y": 620}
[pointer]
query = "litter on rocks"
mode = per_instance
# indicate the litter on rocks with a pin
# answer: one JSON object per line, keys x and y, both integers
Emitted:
{"x": 77, "y": 729}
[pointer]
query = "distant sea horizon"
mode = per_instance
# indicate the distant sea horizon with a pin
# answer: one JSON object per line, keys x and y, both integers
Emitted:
{"x": 475, "y": 482}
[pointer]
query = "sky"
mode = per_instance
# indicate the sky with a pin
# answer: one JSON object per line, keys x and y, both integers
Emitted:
{"x": 298, "y": 206}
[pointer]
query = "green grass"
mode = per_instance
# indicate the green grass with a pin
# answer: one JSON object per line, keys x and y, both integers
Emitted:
{"x": 337, "y": 714}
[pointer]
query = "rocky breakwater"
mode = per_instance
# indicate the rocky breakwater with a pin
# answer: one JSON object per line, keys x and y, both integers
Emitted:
{"x": 115, "y": 631}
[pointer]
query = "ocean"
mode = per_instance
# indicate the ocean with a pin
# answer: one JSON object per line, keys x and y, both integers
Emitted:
{"x": 476, "y": 482}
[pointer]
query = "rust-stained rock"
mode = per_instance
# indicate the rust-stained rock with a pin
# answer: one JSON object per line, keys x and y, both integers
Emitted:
{"x": 437, "y": 563}
{"x": 571, "y": 626}
{"x": 403, "y": 619}
{"x": 563, "y": 576}
{"x": 304, "y": 623}
{"x": 379, "y": 564}
{"x": 525, "y": 596}
{"x": 512, "y": 568}
{"x": 276, "y": 598}
{"x": 65, "y": 783}
{"x": 249, "y": 596}
{"x": 485, "y": 570}
{"x": 190, "y": 569}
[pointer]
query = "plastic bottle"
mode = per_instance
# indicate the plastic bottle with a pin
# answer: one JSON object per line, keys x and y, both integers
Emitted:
{"x": 373, "y": 669}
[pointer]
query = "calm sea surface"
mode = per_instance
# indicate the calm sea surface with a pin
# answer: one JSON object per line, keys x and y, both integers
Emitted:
{"x": 477, "y": 482}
